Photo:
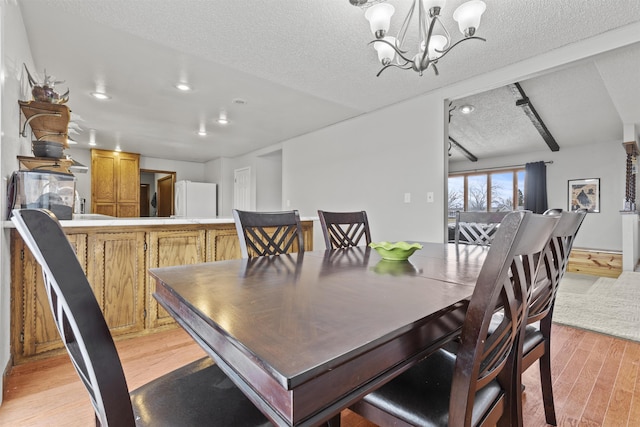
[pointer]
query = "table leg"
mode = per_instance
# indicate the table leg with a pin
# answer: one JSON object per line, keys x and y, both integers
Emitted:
{"x": 334, "y": 422}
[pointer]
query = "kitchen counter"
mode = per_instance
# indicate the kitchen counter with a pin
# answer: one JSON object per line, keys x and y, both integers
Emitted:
{"x": 97, "y": 220}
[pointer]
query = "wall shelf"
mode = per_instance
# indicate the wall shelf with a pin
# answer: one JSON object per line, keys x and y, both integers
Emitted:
{"x": 45, "y": 164}
{"x": 49, "y": 122}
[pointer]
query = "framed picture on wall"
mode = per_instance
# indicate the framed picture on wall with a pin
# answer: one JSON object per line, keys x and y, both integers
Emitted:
{"x": 584, "y": 194}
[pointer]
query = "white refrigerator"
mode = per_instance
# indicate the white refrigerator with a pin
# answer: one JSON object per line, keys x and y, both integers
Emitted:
{"x": 196, "y": 199}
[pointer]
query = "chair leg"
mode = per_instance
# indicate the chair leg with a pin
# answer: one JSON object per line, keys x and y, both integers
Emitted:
{"x": 510, "y": 381}
{"x": 334, "y": 422}
{"x": 547, "y": 388}
{"x": 545, "y": 372}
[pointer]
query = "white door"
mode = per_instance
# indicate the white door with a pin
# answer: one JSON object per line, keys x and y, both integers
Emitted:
{"x": 242, "y": 189}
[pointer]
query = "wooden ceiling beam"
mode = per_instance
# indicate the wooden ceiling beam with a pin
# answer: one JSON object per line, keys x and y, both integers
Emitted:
{"x": 523, "y": 101}
{"x": 466, "y": 152}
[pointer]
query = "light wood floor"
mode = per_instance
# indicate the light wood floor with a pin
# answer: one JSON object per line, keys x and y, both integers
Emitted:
{"x": 596, "y": 382}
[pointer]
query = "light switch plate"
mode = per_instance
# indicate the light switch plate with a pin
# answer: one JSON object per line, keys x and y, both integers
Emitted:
{"x": 430, "y": 197}
{"x": 407, "y": 197}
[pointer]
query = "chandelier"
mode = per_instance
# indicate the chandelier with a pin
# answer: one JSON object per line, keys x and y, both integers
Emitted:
{"x": 434, "y": 41}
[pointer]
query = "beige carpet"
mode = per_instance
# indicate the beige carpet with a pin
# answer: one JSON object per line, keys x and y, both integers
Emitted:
{"x": 609, "y": 306}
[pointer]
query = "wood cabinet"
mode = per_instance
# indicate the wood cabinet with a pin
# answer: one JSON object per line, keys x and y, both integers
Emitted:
{"x": 166, "y": 249}
{"x": 223, "y": 243}
{"x": 115, "y": 183}
{"x": 116, "y": 271}
{"x": 116, "y": 260}
{"x": 33, "y": 330}
{"x": 115, "y": 265}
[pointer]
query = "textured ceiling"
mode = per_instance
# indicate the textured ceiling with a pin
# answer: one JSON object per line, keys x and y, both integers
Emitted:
{"x": 300, "y": 65}
{"x": 585, "y": 103}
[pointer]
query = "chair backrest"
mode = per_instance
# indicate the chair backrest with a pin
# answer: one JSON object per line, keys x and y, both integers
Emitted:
{"x": 553, "y": 211}
{"x": 477, "y": 228}
{"x": 344, "y": 229}
{"x": 78, "y": 317}
{"x": 556, "y": 258}
{"x": 268, "y": 233}
{"x": 503, "y": 283}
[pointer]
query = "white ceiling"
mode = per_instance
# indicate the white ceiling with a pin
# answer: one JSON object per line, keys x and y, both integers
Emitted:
{"x": 300, "y": 66}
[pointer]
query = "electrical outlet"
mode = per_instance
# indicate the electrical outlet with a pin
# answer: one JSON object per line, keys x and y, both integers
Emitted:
{"x": 430, "y": 197}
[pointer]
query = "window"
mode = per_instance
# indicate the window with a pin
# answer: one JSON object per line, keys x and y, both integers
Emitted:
{"x": 499, "y": 190}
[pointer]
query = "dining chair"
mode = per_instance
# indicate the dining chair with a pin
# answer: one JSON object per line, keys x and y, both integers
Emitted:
{"x": 268, "y": 233}
{"x": 553, "y": 211}
{"x": 344, "y": 229}
{"x": 477, "y": 228}
{"x": 476, "y": 385}
{"x": 196, "y": 394}
{"x": 537, "y": 338}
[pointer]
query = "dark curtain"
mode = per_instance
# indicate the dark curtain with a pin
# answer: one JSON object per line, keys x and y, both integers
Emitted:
{"x": 535, "y": 189}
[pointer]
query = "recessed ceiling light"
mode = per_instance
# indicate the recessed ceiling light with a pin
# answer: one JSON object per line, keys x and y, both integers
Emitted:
{"x": 222, "y": 119}
{"x": 183, "y": 86}
{"x": 467, "y": 109}
{"x": 100, "y": 95}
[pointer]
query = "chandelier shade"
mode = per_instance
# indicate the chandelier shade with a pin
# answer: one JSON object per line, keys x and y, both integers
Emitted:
{"x": 379, "y": 17}
{"x": 434, "y": 39}
{"x": 468, "y": 15}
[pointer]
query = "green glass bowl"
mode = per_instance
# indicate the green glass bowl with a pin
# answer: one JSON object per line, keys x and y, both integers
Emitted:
{"x": 399, "y": 251}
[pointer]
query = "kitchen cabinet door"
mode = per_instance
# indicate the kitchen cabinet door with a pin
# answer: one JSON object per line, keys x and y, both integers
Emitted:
{"x": 223, "y": 244}
{"x": 166, "y": 249}
{"x": 115, "y": 183}
{"x": 34, "y": 331}
{"x": 116, "y": 271}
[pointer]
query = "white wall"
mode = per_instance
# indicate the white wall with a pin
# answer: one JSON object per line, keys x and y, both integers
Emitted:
{"x": 269, "y": 182}
{"x": 360, "y": 164}
{"x": 83, "y": 180}
{"x": 266, "y": 179}
{"x": 14, "y": 51}
{"x": 191, "y": 171}
{"x": 605, "y": 161}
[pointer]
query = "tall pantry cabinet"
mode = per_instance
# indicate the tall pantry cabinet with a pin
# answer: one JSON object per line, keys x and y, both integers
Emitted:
{"x": 115, "y": 183}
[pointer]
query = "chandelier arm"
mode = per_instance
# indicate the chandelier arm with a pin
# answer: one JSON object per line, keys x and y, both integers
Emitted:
{"x": 444, "y": 52}
{"x": 446, "y": 32}
{"x": 393, "y": 65}
{"x": 424, "y": 60}
{"x": 423, "y": 29}
{"x": 399, "y": 52}
{"x": 435, "y": 69}
{"x": 402, "y": 33}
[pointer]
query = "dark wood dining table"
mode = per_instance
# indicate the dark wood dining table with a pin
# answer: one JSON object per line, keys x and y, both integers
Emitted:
{"x": 306, "y": 335}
